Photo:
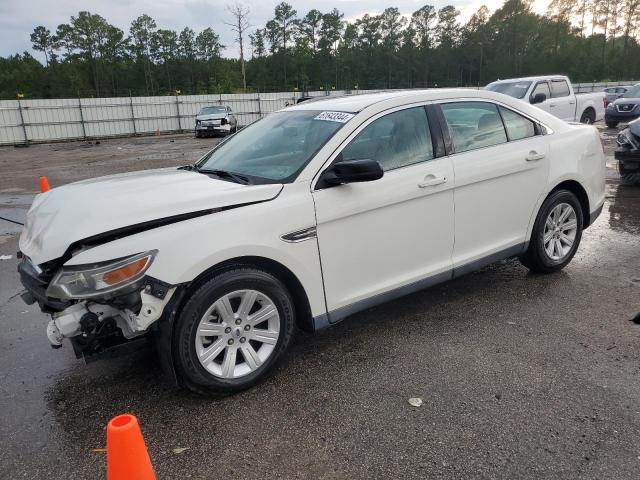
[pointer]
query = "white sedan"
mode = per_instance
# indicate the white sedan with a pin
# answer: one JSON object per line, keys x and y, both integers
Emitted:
{"x": 303, "y": 218}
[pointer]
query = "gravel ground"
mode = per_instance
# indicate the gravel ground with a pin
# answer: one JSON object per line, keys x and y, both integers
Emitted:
{"x": 522, "y": 376}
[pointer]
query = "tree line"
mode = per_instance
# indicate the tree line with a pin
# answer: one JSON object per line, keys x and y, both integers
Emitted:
{"x": 589, "y": 40}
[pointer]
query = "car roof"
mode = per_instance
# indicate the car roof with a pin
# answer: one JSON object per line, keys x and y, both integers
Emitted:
{"x": 358, "y": 102}
{"x": 532, "y": 79}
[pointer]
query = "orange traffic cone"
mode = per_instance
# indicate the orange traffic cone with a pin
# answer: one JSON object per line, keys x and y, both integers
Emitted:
{"x": 44, "y": 185}
{"x": 127, "y": 457}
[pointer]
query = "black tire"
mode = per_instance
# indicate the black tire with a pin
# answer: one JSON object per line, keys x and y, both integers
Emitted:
{"x": 612, "y": 124}
{"x": 628, "y": 177}
{"x": 588, "y": 117}
{"x": 193, "y": 375}
{"x": 536, "y": 258}
{"x": 197, "y": 135}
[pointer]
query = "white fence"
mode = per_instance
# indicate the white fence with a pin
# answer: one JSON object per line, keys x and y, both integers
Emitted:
{"x": 38, "y": 121}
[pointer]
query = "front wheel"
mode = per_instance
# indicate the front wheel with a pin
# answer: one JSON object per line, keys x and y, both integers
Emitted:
{"x": 556, "y": 233}
{"x": 612, "y": 124}
{"x": 233, "y": 330}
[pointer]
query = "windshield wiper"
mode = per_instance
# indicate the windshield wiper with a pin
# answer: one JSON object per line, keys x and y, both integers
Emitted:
{"x": 236, "y": 177}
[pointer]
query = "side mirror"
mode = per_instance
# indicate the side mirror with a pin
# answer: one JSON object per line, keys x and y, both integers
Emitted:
{"x": 350, "y": 171}
{"x": 538, "y": 98}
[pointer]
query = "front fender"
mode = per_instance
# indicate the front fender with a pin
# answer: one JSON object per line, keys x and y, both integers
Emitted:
{"x": 188, "y": 248}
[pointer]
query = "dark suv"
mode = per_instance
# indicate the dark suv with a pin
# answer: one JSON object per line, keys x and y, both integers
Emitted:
{"x": 624, "y": 109}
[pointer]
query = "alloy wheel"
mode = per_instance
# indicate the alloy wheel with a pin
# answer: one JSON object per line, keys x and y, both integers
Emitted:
{"x": 560, "y": 231}
{"x": 237, "y": 334}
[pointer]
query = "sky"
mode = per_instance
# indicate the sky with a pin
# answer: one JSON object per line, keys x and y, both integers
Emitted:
{"x": 18, "y": 18}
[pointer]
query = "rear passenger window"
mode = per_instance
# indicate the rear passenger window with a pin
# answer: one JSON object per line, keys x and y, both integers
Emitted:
{"x": 518, "y": 127}
{"x": 395, "y": 140}
{"x": 559, "y": 88}
{"x": 473, "y": 125}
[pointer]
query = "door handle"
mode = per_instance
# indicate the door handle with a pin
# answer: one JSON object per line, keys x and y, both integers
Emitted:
{"x": 534, "y": 156}
{"x": 432, "y": 181}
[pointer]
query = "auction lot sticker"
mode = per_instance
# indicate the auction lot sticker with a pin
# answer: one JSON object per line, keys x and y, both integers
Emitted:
{"x": 340, "y": 117}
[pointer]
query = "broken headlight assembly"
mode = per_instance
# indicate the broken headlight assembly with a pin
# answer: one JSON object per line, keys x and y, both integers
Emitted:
{"x": 627, "y": 139}
{"x": 100, "y": 280}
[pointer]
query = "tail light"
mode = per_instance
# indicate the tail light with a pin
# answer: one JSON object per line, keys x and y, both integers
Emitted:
{"x": 605, "y": 101}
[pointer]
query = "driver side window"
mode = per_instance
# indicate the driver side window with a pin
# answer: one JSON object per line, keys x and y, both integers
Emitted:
{"x": 542, "y": 87}
{"x": 396, "y": 140}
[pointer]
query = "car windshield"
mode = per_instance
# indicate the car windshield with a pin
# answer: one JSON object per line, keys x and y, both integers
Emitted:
{"x": 212, "y": 110}
{"x": 276, "y": 148}
{"x": 633, "y": 92}
{"x": 513, "y": 89}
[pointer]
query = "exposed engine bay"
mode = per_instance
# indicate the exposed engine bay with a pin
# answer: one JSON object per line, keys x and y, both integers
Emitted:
{"x": 101, "y": 322}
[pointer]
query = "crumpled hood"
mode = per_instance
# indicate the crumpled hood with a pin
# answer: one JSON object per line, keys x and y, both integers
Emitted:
{"x": 211, "y": 116}
{"x": 635, "y": 127}
{"x": 84, "y": 209}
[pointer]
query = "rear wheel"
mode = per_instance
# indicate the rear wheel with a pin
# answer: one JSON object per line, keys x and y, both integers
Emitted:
{"x": 556, "y": 233}
{"x": 233, "y": 330}
{"x": 588, "y": 116}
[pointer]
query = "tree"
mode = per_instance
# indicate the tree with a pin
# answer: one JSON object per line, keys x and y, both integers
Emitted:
{"x": 187, "y": 44}
{"x": 423, "y": 23}
{"x": 309, "y": 27}
{"x": 164, "y": 49}
{"x": 207, "y": 47}
{"x": 207, "y": 44}
{"x": 631, "y": 18}
{"x": 391, "y": 25}
{"x": 370, "y": 33}
{"x": 448, "y": 28}
{"x": 257, "y": 43}
{"x": 284, "y": 16}
{"x": 141, "y": 31}
{"x": 87, "y": 54}
{"x": 240, "y": 25}
{"x": 86, "y": 36}
{"x": 42, "y": 41}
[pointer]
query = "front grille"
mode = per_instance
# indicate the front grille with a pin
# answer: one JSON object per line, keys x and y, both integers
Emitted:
{"x": 625, "y": 107}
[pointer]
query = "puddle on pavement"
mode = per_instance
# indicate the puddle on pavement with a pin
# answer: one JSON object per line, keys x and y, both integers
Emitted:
{"x": 624, "y": 208}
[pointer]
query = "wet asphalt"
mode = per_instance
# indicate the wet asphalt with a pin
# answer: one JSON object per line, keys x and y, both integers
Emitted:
{"x": 522, "y": 376}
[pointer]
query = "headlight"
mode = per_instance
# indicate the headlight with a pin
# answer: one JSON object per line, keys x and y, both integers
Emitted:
{"x": 625, "y": 139}
{"x": 611, "y": 106}
{"x": 101, "y": 279}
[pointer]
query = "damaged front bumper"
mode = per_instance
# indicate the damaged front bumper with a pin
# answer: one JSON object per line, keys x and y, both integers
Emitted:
{"x": 98, "y": 323}
{"x": 628, "y": 152}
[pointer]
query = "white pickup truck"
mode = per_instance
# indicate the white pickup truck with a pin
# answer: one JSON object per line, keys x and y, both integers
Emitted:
{"x": 554, "y": 94}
